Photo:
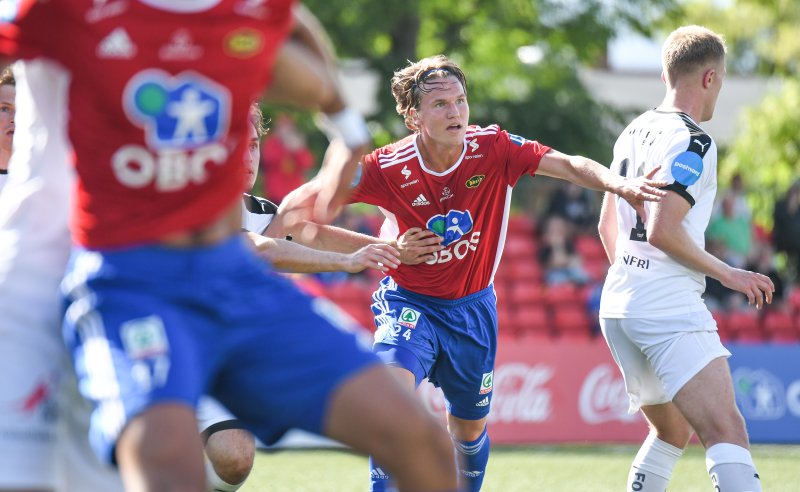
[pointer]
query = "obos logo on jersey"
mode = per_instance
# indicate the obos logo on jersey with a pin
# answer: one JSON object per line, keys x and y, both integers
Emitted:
{"x": 451, "y": 227}
{"x": 185, "y": 119}
{"x": 687, "y": 168}
{"x": 184, "y": 111}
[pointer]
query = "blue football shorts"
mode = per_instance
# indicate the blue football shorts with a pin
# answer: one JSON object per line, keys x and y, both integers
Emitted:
{"x": 150, "y": 325}
{"x": 453, "y": 343}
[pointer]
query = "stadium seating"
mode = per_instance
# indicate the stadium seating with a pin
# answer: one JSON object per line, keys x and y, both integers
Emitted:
{"x": 590, "y": 248}
{"x": 779, "y": 327}
{"x": 745, "y": 326}
{"x": 571, "y": 322}
{"x": 531, "y": 319}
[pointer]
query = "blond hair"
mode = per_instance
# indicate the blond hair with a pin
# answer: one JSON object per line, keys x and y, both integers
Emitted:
{"x": 408, "y": 83}
{"x": 689, "y": 48}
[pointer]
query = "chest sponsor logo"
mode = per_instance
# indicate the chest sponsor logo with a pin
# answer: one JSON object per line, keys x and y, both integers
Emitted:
{"x": 451, "y": 227}
{"x": 116, "y": 45}
{"x": 185, "y": 119}
{"x": 409, "y": 183}
{"x": 446, "y": 194}
{"x": 181, "y": 46}
{"x": 406, "y": 173}
{"x": 408, "y": 318}
{"x": 486, "y": 382}
{"x": 475, "y": 181}
{"x": 473, "y": 145}
{"x": 256, "y": 9}
{"x": 243, "y": 43}
{"x": 420, "y": 201}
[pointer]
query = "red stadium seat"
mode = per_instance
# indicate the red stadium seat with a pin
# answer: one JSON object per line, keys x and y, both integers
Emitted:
{"x": 522, "y": 270}
{"x": 779, "y": 327}
{"x": 521, "y": 225}
{"x": 571, "y": 322}
{"x": 531, "y": 319}
{"x": 745, "y": 326}
{"x": 566, "y": 293}
{"x": 590, "y": 248}
{"x": 794, "y": 300}
{"x": 520, "y": 248}
{"x": 505, "y": 321}
{"x": 527, "y": 293}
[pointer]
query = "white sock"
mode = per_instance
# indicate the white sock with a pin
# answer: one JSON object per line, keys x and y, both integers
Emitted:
{"x": 731, "y": 468}
{"x": 216, "y": 484}
{"x": 652, "y": 467}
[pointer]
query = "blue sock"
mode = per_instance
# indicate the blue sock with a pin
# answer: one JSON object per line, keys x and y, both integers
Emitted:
{"x": 474, "y": 455}
{"x": 379, "y": 478}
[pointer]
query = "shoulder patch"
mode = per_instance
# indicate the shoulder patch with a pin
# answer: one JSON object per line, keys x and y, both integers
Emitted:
{"x": 258, "y": 205}
{"x": 687, "y": 167}
{"x": 516, "y": 139}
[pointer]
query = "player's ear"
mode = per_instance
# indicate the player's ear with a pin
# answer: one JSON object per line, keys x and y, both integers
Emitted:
{"x": 708, "y": 77}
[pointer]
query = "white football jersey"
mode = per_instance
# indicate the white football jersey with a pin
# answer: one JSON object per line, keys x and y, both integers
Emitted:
{"x": 643, "y": 282}
{"x": 3, "y": 178}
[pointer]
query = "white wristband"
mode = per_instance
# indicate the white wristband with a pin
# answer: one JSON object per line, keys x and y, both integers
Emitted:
{"x": 348, "y": 125}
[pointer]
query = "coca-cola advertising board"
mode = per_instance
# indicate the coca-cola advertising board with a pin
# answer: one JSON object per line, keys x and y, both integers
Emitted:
{"x": 554, "y": 392}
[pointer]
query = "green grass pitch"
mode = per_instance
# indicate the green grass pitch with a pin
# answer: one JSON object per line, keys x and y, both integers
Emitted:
{"x": 519, "y": 469}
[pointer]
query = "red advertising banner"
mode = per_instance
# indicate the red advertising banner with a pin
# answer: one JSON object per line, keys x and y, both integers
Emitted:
{"x": 555, "y": 392}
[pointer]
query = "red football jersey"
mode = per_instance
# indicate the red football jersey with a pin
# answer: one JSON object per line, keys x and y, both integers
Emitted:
{"x": 467, "y": 205}
{"x": 158, "y": 104}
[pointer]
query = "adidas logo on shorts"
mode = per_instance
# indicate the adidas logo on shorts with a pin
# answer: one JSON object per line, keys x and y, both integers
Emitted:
{"x": 483, "y": 402}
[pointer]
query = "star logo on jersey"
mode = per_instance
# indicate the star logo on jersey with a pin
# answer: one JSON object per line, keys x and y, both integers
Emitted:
{"x": 182, "y": 111}
{"x": 180, "y": 46}
{"x": 452, "y": 227}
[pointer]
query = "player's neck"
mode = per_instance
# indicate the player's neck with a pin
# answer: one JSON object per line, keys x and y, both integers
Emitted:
{"x": 683, "y": 102}
{"x": 437, "y": 157}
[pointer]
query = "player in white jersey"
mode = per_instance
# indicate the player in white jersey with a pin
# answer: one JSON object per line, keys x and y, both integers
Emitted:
{"x": 652, "y": 314}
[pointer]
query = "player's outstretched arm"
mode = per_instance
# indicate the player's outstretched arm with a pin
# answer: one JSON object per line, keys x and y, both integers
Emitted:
{"x": 665, "y": 231}
{"x": 288, "y": 256}
{"x": 593, "y": 175}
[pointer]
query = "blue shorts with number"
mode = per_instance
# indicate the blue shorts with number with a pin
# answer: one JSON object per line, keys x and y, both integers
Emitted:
{"x": 451, "y": 342}
{"x": 149, "y": 325}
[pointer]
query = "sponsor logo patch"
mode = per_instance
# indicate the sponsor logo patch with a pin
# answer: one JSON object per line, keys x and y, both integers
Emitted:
{"x": 452, "y": 226}
{"x": 408, "y": 318}
{"x": 486, "y": 382}
{"x": 475, "y": 181}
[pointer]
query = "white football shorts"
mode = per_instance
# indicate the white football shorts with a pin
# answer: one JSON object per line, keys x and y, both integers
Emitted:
{"x": 657, "y": 356}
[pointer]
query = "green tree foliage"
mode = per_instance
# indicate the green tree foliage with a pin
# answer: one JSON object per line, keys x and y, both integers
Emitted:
{"x": 543, "y": 101}
{"x": 762, "y": 39}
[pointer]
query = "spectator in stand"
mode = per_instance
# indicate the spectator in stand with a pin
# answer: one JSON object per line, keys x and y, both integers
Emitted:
{"x": 285, "y": 158}
{"x": 762, "y": 260}
{"x": 734, "y": 230}
{"x": 786, "y": 232}
{"x": 557, "y": 255}
{"x": 574, "y": 204}
{"x": 737, "y": 193}
{"x": 717, "y": 296}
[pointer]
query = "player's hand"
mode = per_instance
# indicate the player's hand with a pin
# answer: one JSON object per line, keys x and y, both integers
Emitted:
{"x": 378, "y": 256}
{"x": 757, "y": 287}
{"x": 418, "y": 245}
{"x": 636, "y": 191}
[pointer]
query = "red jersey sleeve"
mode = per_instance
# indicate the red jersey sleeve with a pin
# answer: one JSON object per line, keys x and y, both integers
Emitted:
{"x": 522, "y": 155}
{"x": 371, "y": 187}
{"x": 28, "y": 31}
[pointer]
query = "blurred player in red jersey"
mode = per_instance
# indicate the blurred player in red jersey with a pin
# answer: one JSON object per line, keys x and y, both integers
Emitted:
{"x": 653, "y": 317}
{"x": 450, "y": 183}
{"x": 156, "y": 312}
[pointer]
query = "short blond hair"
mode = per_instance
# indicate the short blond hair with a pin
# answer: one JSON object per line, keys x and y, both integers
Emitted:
{"x": 407, "y": 83}
{"x": 689, "y": 48}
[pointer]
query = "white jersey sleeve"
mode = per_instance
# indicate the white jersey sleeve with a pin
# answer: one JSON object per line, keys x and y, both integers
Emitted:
{"x": 644, "y": 282}
{"x": 257, "y": 213}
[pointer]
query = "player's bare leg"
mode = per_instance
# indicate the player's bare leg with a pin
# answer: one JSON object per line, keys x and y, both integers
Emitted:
{"x": 708, "y": 403}
{"x": 472, "y": 445}
{"x": 395, "y": 428}
{"x": 150, "y": 462}
{"x": 652, "y": 468}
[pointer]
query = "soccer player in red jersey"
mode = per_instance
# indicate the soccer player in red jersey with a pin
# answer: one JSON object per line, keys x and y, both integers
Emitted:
{"x": 157, "y": 101}
{"x": 438, "y": 319}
